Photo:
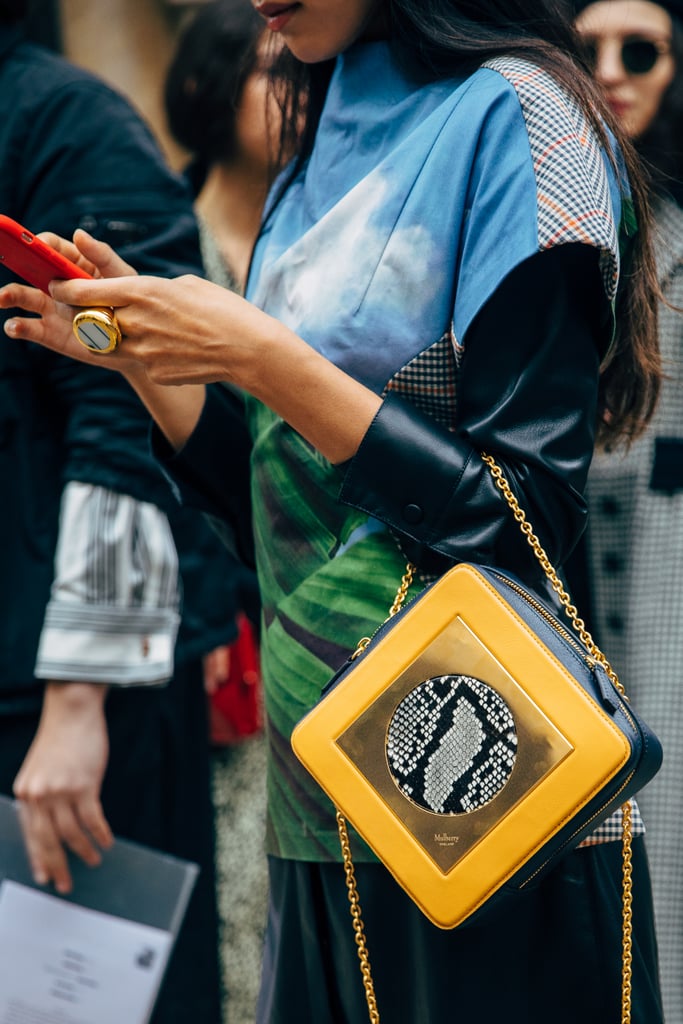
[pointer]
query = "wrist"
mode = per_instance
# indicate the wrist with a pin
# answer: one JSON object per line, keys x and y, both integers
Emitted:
{"x": 68, "y": 696}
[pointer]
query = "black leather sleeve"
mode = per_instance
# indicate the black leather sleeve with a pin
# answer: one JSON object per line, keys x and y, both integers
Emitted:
{"x": 220, "y": 439}
{"x": 527, "y": 394}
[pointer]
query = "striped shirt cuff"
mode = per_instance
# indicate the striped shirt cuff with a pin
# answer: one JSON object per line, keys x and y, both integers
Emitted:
{"x": 106, "y": 644}
{"x": 113, "y": 612}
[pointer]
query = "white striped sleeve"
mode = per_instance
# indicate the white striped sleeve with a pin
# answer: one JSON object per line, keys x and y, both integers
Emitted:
{"x": 113, "y": 610}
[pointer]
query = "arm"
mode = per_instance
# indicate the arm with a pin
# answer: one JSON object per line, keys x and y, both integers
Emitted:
{"x": 189, "y": 332}
{"x": 111, "y": 620}
{"x": 543, "y": 371}
{"x": 527, "y": 393}
{"x": 88, "y": 159}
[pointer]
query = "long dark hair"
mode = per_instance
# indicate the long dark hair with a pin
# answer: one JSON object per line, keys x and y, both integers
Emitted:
{"x": 661, "y": 146}
{"x": 437, "y": 38}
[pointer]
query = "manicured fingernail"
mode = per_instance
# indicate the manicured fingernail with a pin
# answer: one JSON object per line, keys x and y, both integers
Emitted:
{"x": 10, "y": 327}
{"x": 40, "y": 878}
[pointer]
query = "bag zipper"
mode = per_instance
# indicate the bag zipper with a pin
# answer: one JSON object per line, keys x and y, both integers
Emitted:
{"x": 620, "y": 702}
{"x": 548, "y": 616}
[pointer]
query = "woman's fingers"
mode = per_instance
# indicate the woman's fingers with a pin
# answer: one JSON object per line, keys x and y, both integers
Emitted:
{"x": 97, "y": 258}
{"x": 216, "y": 666}
{"x": 145, "y": 293}
{"x": 23, "y": 296}
{"x": 72, "y": 832}
{"x": 51, "y": 323}
{"x": 51, "y": 318}
{"x": 102, "y": 256}
{"x": 58, "y": 785}
{"x": 91, "y": 816}
{"x": 164, "y": 338}
{"x": 46, "y": 854}
{"x": 54, "y": 824}
{"x": 114, "y": 292}
{"x": 69, "y": 249}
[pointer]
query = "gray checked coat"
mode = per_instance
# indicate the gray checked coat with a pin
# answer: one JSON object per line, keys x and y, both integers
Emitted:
{"x": 635, "y": 544}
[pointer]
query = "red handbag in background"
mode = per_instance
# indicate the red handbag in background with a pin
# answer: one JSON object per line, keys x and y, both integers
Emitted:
{"x": 236, "y": 705}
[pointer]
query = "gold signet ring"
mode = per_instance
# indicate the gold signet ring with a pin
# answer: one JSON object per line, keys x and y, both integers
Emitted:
{"x": 97, "y": 329}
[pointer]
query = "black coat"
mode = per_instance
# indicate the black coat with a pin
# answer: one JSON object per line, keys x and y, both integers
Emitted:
{"x": 74, "y": 153}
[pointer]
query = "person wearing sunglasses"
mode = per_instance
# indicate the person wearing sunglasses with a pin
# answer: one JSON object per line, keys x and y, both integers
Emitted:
{"x": 634, "y": 542}
{"x": 629, "y": 46}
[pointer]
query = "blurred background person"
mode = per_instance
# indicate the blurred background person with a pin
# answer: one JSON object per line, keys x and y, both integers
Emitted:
{"x": 220, "y": 111}
{"x": 635, "y": 538}
{"x": 91, "y": 740}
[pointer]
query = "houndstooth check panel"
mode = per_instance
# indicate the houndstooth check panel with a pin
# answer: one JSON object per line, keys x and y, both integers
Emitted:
{"x": 429, "y": 381}
{"x": 574, "y": 203}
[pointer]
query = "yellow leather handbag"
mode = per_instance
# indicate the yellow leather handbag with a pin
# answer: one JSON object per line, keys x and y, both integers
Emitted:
{"x": 474, "y": 740}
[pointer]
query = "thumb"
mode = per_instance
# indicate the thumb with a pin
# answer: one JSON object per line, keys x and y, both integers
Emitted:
{"x": 108, "y": 262}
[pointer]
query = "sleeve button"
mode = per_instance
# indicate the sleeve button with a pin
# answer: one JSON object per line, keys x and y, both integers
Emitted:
{"x": 413, "y": 514}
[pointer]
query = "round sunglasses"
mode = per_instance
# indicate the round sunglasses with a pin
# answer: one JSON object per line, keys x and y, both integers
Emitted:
{"x": 638, "y": 56}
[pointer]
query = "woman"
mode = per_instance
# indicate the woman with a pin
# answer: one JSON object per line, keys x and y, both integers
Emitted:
{"x": 636, "y": 500}
{"x": 445, "y": 224}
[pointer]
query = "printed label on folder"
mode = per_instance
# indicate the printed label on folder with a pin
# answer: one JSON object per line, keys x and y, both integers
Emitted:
{"x": 64, "y": 964}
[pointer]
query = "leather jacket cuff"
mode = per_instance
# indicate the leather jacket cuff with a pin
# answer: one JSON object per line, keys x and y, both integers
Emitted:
{"x": 412, "y": 500}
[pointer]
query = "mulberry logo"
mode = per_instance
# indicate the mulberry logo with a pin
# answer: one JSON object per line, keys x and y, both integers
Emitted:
{"x": 444, "y": 839}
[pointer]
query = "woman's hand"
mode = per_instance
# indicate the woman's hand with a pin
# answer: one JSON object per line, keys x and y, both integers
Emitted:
{"x": 59, "y": 783}
{"x": 52, "y": 324}
{"x": 188, "y": 331}
{"x": 181, "y": 331}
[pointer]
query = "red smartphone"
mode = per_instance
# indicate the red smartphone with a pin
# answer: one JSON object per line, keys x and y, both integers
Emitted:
{"x": 32, "y": 259}
{"x": 38, "y": 263}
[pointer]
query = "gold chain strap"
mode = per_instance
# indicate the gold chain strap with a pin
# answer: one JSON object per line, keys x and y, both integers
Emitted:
{"x": 401, "y": 594}
{"x": 555, "y": 581}
{"x": 626, "y": 914}
{"x": 351, "y": 887}
{"x": 357, "y": 918}
{"x": 595, "y": 652}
